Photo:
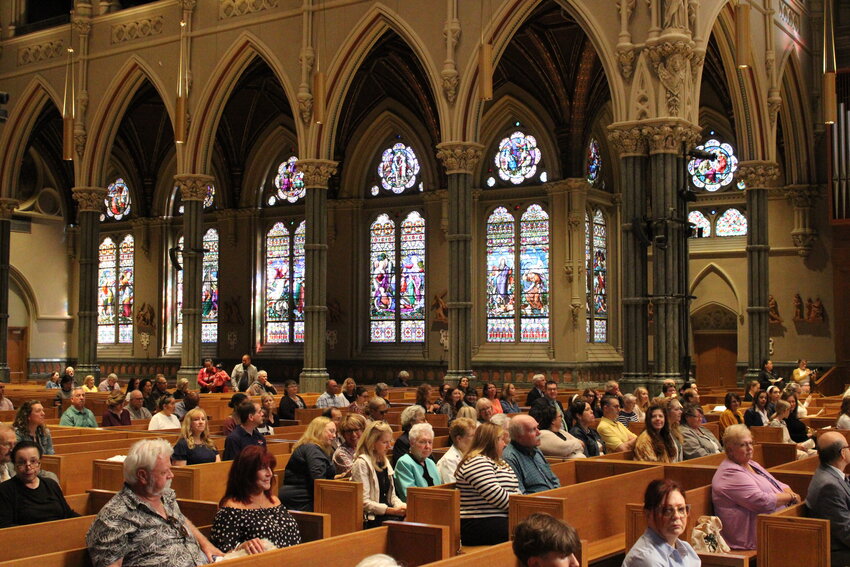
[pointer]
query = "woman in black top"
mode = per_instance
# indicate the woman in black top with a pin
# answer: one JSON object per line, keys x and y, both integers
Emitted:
{"x": 757, "y": 415}
{"x": 290, "y": 401}
{"x": 194, "y": 446}
{"x": 796, "y": 428}
{"x": 582, "y": 415}
{"x": 27, "y": 498}
{"x": 310, "y": 460}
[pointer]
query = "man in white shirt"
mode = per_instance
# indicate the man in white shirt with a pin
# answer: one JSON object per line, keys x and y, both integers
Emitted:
{"x": 332, "y": 398}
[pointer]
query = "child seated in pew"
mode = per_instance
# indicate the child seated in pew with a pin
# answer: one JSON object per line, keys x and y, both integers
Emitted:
{"x": 542, "y": 541}
{"x": 666, "y": 517}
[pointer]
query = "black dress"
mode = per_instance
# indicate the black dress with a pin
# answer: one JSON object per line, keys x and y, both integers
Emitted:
{"x": 233, "y": 526}
{"x": 20, "y": 505}
{"x": 196, "y": 455}
{"x": 307, "y": 463}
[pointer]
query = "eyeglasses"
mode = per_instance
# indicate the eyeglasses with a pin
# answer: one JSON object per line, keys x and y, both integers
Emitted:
{"x": 669, "y": 511}
{"x": 178, "y": 525}
{"x": 34, "y": 463}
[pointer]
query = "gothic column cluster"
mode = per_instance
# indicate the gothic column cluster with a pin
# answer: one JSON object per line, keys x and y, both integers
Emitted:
{"x": 6, "y": 208}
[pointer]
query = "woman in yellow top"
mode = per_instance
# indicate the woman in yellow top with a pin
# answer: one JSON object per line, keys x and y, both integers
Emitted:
{"x": 802, "y": 373}
{"x": 656, "y": 443}
{"x": 88, "y": 385}
{"x": 732, "y": 415}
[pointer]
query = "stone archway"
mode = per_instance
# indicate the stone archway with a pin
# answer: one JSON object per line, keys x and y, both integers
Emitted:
{"x": 715, "y": 330}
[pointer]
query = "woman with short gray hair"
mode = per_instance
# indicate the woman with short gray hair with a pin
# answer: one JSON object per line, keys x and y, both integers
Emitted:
{"x": 415, "y": 468}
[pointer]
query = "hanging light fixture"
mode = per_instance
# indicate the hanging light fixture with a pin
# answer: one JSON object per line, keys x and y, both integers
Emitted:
{"x": 485, "y": 70}
{"x": 68, "y": 109}
{"x": 743, "y": 53}
{"x": 180, "y": 107}
{"x": 319, "y": 96}
{"x": 830, "y": 105}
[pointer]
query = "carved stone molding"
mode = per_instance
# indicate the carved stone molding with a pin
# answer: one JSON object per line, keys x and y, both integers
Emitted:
{"x": 40, "y": 52}
{"x": 459, "y": 157}
{"x": 670, "y": 136}
{"x": 89, "y": 199}
{"x": 758, "y": 174}
{"x": 188, "y": 5}
{"x": 627, "y": 139}
{"x": 316, "y": 172}
{"x": 139, "y": 29}
{"x": 671, "y": 59}
{"x": 7, "y": 207}
{"x": 626, "y": 54}
{"x": 235, "y": 8}
{"x": 449, "y": 73}
{"x": 802, "y": 196}
{"x": 803, "y": 199}
{"x": 81, "y": 24}
{"x": 193, "y": 186}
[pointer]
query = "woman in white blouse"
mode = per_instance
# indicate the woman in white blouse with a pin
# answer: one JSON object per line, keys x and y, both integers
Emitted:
{"x": 461, "y": 433}
{"x": 555, "y": 441}
{"x": 165, "y": 418}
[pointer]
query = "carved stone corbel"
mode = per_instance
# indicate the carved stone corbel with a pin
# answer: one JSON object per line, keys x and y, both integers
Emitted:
{"x": 803, "y": 199}
{"x": 670, "y": 58}
{"x": 449, "y": 73}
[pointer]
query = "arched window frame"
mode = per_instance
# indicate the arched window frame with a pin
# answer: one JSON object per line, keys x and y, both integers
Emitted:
{"x": 119, "y": 269}
{"x": 713, "y": 214}
{"x": 292, "y": 291}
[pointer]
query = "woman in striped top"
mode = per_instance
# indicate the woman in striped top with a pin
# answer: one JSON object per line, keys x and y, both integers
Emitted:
{"x": 486, "y": 482}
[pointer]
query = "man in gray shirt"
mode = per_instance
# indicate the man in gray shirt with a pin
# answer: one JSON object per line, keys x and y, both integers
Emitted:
{"x": 136, "y": 407}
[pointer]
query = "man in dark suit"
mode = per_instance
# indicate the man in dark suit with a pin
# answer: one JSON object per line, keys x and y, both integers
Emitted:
{"x": 537, "y": 391}
{"x": 828, "y": 497}
{"x": 551, "y": 398}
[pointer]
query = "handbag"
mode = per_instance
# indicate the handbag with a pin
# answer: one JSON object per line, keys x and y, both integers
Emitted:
{"x": 706, "y": 536}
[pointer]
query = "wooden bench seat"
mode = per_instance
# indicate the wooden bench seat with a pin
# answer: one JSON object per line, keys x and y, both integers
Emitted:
{"x": 342, "y": 500}
{"x": 789, "y": 538}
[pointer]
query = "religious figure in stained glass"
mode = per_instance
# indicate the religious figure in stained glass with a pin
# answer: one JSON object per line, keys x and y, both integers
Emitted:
{"x": 382, "y": 252}
{"x": 731, "y": 223}
{"x": 501, "y": 240}
{"x": 209, "y": 290}
{"x": 398, "y": 168}
{"x": 117, "y": 201}
{"x": 699, "y": 220}
{"x": 596, "y": 256}
{"x": 412, "y": 283}
{"x": 534, "y": 267}
{"x": 285, "y": 292}
{"x": 115, "y": 291}
{"x": 517, "y": 157}
{"x": 594, "y": 162}
{"x": 713, "y": 174}
{"x": 289, "y": 183}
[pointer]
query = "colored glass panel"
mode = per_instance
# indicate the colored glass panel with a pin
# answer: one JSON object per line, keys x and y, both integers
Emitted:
{"x": 534, "y": 272}
{"x": 289, "y": 183}
{"x": 209, "y": 288}
{"x": 178, "y": 290}
{"x": 115, "y": 291}
{"x": 277, "y": 284}
{"x": 117, "y": 200}
{"x": 106, "y": 280}
{"x": 501, "y": 243}
{"x": 596, "y": 256}
{"x": 700, "y": 221}
{"x": 398, "y": 168}
{"x": 713, "y": 174}
{"x": 382, "y": 255}
{"x": 412, "y": 284}
{"x": 594, "y": 162}
{"x": 517, "y": 158}
{"x": 731, "y": 223}
{"x": 126, "y": 289}
{"x": 299, "y": 281}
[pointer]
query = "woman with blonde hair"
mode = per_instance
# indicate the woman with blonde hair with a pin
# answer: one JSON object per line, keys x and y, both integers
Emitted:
{"x": 372, "y": 468}
{"x": 783, "y": 410}
{"x": 310, "y": 460}
{"x": 486, "y": 482}
{"x": 349, "y": 390}
{"x": 468, "y": 412}
{"x": 194, "y": 446}
{"x": 351, "y": 429}
{"x": 88, "y": 385}
{"x": 461, "y": 433}
{"x": 642, "y": 404}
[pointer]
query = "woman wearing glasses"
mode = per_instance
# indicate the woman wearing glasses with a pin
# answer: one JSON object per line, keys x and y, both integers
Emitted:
{"x": 27, "y": 498}
{"x": 666, "y": 517}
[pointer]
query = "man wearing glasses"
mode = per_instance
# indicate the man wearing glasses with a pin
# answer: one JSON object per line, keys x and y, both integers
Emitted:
{"x": 615, "y": 435}
{"x": 142, "y": 524}
{"x": 828, "y": 497}
{"x": 666, "y": 517}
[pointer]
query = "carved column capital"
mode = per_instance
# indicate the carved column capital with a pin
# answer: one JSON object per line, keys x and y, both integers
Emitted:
{"x": 802, "y": 196}
{"x": 7, "y": 207}
{"x": 670, "y": 136}
{"x": 459, "y": 157}
{"x": 89, "y": 198}
{"x": 193, "y": 186}
{"x": 316, "y": 172}
{"x": 757, "y": 174}
{"x": 627, "y": 138}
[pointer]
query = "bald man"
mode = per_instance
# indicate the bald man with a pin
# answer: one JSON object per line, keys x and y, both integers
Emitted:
{"x": 828, "y": 497}
{"x": 524, "y": 455}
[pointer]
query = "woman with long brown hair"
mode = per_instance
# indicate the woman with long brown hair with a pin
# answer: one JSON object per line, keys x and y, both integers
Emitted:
{"x": 656, "y": 443}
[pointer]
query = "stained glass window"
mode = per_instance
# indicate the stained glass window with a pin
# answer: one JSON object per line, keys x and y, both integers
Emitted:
{"x": 517, "y": 158}
{"x": 531, "y": 261}
{"x": 731, "y": 223}
{"x": 115, "y": 291}
{"x": 397, "y": 170}
{"x": 594, "y": 162}
{"x": 117, "y": 201}
{"x": 397, "y": 295}
{"x": 596, "y": 257}
{"x": 209, "y": 199}
{"x": 209, "y": 290}
{"x": 285, "y": 293}
{"x": 713, "y": 174}
{"x": 288, "y": 183}
{"x": 699, "y": 220}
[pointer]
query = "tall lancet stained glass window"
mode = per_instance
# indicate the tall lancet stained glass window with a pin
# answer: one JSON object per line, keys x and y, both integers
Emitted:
{"x": 115, "y": 293}
{"x": 285, "y": 292}
{"x": 397, "y": 279}
{"x": 596, "y": 257}
{"x": 209, "y": 290}
{"x": 530, "y": 291}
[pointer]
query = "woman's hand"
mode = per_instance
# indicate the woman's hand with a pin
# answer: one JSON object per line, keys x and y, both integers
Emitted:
{"x": 400, "y": 511}
{"x": 252, "y": 546}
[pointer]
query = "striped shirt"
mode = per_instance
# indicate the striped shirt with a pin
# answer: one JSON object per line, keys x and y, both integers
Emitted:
{"x": 485, "y": 487}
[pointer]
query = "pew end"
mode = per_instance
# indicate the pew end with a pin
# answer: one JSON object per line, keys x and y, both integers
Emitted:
{"x": 780, "y": 538}
{"x": 343, "y": 501}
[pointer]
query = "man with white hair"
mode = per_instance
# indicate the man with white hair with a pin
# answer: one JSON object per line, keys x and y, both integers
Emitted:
{"x": 537, "y": 392}
{"x": 142, "y": 525}
{"x": 525, "y": 458}
{"x": 110, "y": 384}
{"x": 262, "y": 385}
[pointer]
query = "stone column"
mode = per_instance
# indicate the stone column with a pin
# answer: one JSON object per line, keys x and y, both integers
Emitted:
{"x": 803, "y": 199}
{"x": 568, "y": 200}
{"x": 316, "y": 175}
{"x": 460, "y": 159}
{"x": 193, "y": 189}
{"x": 668, "y": 139}
{"x": 90, "y": 205}
{"x": 759, "y": 176}
{"x": 7, "y": 206}
{"x": 630, "y": 143}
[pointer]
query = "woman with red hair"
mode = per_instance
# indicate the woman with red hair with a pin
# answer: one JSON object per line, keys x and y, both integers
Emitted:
{"x": 249, "y": 510}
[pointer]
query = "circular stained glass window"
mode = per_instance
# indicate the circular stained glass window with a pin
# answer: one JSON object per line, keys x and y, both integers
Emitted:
{"x": 289, "y": 183}
{"x": 117, "y": 200}
{"x": 712, "y": 174}
{"x": 517, "y": 158}
{"x": 398, "y": 168}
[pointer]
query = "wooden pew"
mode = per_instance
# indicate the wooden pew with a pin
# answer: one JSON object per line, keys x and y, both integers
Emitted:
{"x": 342, "y": 500}
{"x": 766, "y": 434}
{"x": 788, "y": 538}
{"x": 47, "y": 537}
{"x": 501, "y": 555}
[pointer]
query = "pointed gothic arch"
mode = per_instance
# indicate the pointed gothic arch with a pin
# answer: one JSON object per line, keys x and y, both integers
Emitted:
{"x": 713, "y": 268}
{"x": 797, "y": 132}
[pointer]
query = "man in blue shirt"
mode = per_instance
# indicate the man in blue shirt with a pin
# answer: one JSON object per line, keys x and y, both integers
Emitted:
{"x": 530, "y": 466}
{"x": 250, "y": 415}
{"x": 77, "y": 414}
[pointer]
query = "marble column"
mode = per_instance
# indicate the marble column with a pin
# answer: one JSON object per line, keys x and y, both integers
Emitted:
{"x": 668, "y": 140}
{"x": 316, "y": 175}
{"x": 193, "y": 190}
{"x": 460, "y": 160}
{"x": 759, "y": 176}
{"x": 629, "y": 142}
{"x": 7, "y": 206}
{"x": 90, "y": 205}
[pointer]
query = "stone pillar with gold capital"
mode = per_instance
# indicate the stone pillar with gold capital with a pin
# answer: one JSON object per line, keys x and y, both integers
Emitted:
{"x": 7, "y": 206}
{"x": 759, "y": 177}
{"x": 460, "y": 160}
{"x": 316, "y": 175}
{"x": 193, "y": 190}
{"x": 90, "y": 205}
{"x": 668, "y": 140}
{"x": 629, "y": 141}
